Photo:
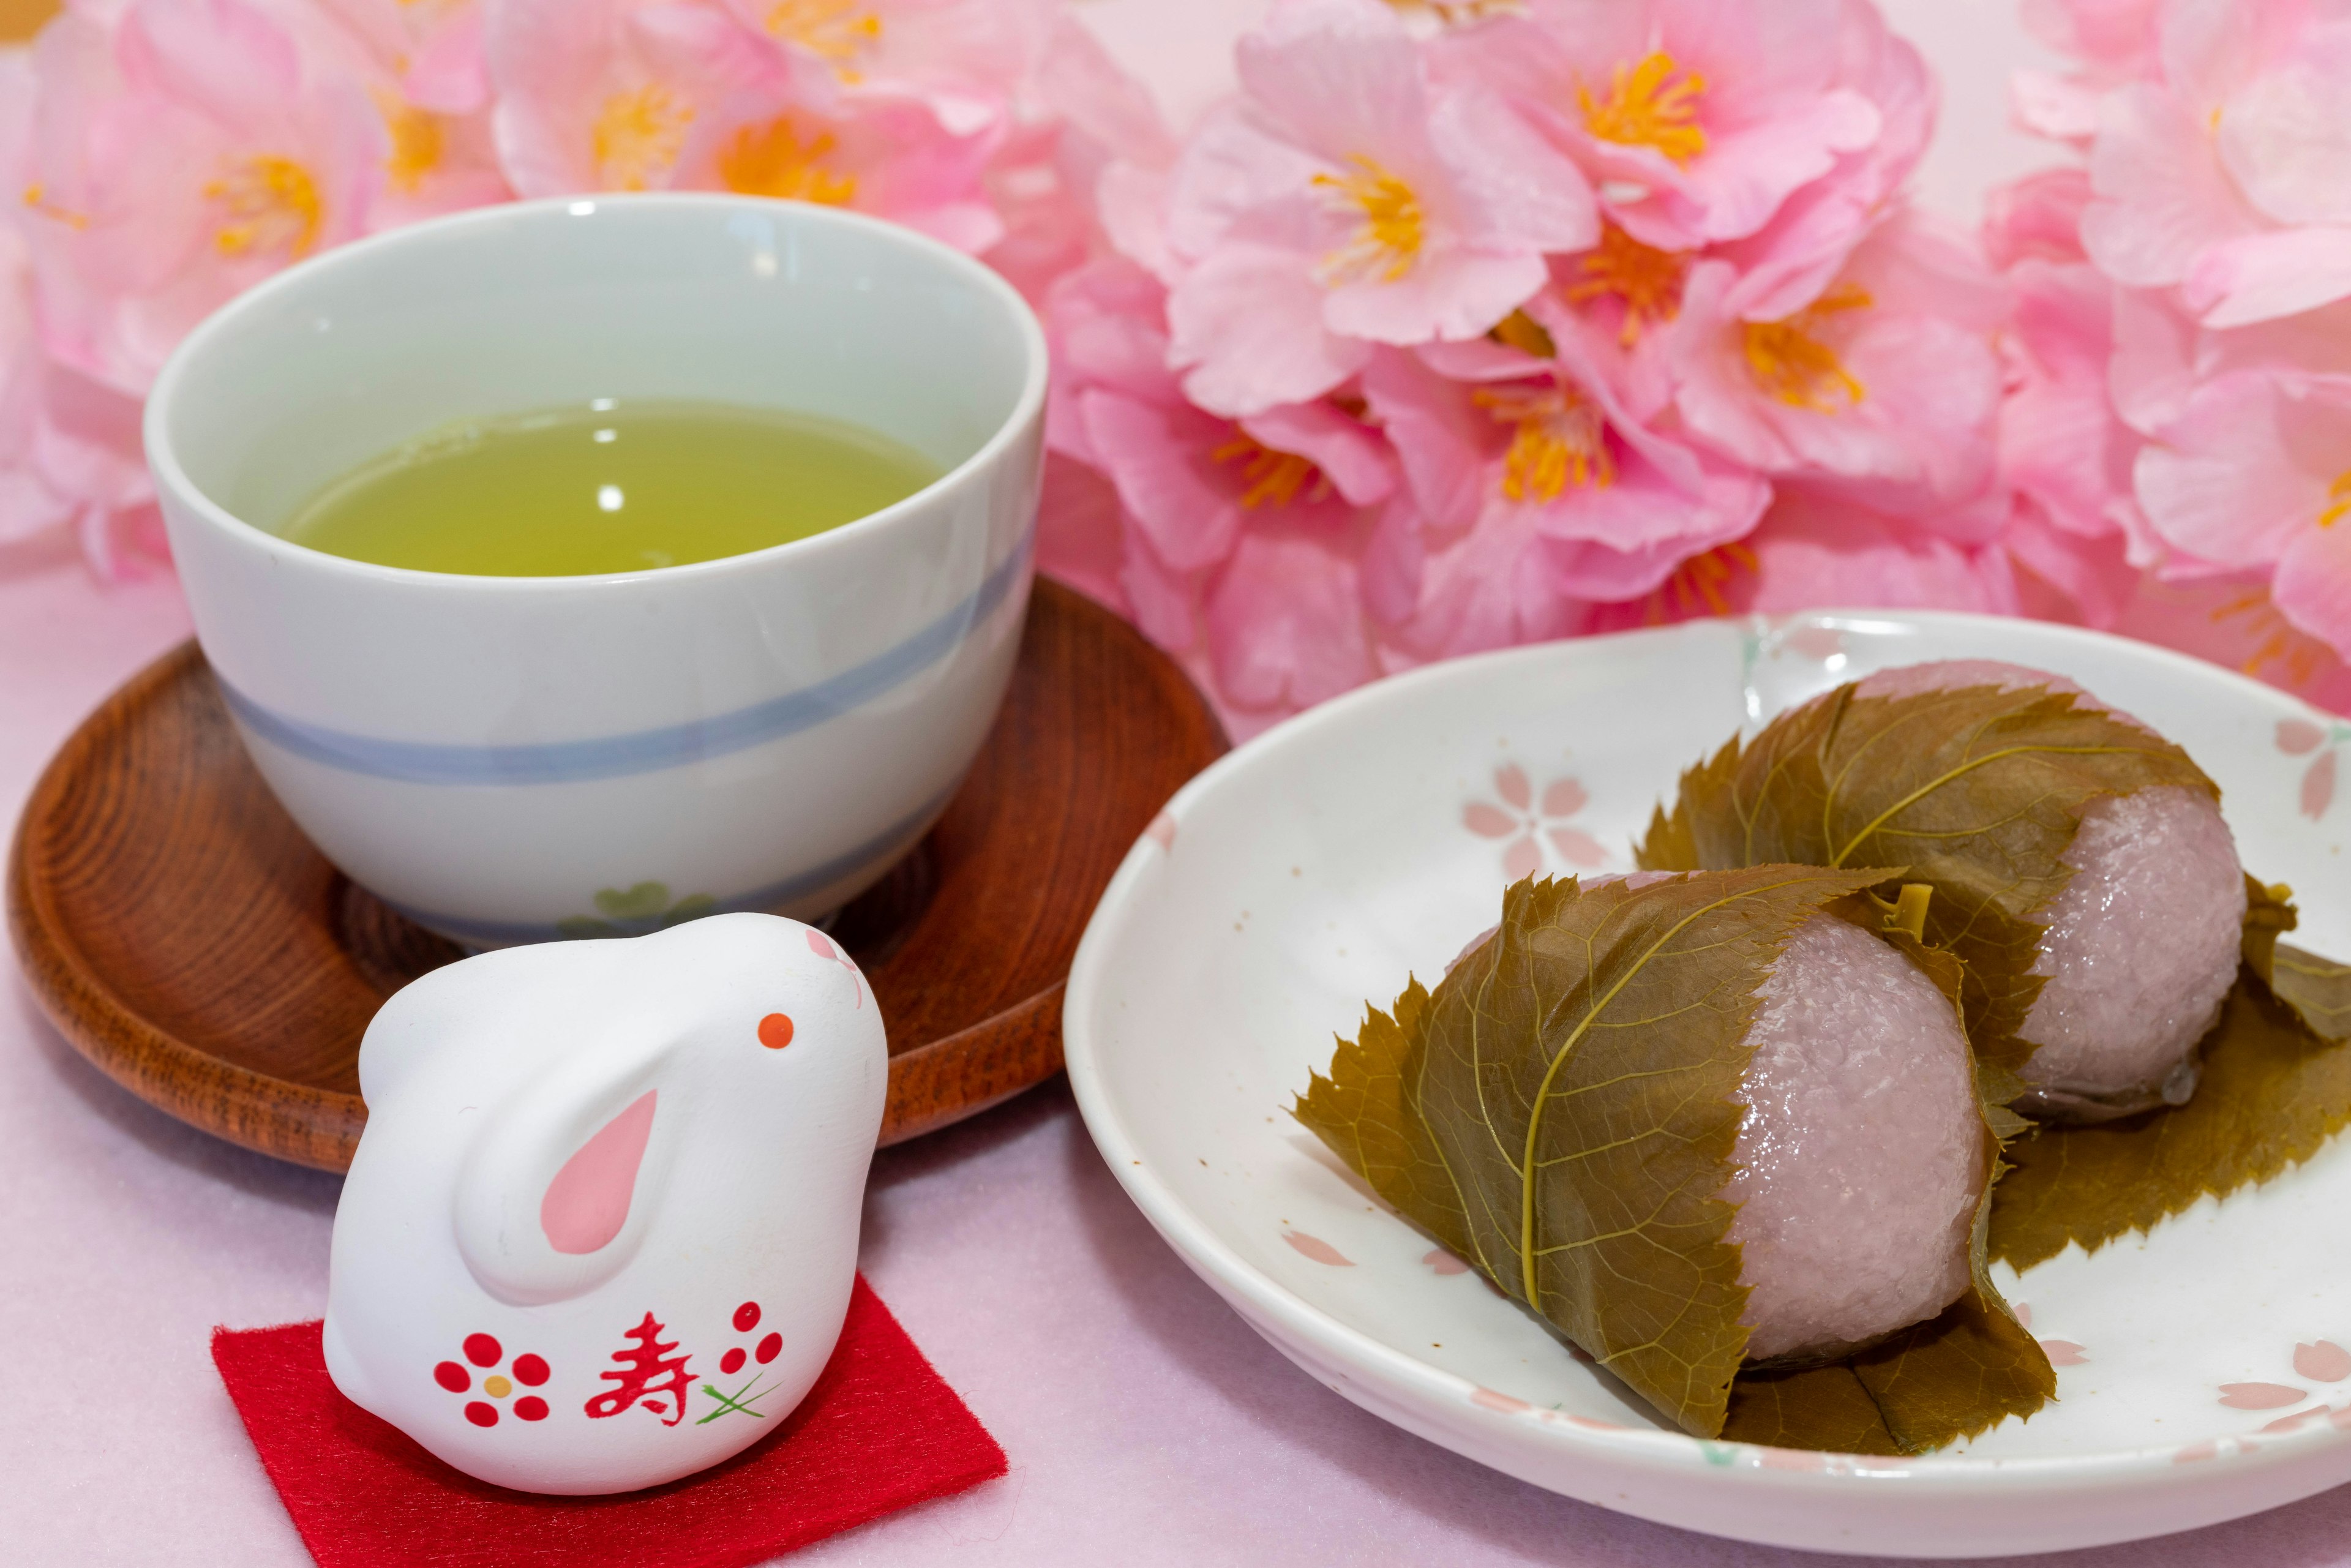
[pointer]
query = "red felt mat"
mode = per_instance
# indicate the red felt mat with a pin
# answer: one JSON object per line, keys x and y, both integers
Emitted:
{"x": 879, "y": 1432}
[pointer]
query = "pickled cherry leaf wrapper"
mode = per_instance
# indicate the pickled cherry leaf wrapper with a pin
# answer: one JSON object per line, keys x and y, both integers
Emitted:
{"x": 2317, "y": 989}
{"x": 1361, "y": 1111}
{"x": 1560, "y": 1113}
{"x": 2273, "y": 1088}
{"x": 1929, "y": 1385}
{"x": 1978, "y": 790}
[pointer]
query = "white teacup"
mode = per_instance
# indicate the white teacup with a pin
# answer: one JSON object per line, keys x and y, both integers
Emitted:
{"x": 507, "y": 759}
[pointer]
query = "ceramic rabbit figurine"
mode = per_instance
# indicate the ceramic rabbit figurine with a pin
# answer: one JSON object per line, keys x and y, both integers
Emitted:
{"x": 601, "y": 1227}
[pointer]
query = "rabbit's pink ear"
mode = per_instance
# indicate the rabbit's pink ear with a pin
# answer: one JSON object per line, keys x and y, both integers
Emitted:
{"x": 588, "y": 1201}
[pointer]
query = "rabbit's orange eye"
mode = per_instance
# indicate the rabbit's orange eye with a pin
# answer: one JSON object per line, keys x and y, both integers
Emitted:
{"x": 775, "y": 1032}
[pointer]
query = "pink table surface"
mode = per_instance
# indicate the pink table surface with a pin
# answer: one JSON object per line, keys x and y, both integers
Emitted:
{"x": 1145, "y": 1422}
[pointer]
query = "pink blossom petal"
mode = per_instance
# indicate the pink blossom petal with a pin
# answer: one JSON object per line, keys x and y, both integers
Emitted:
{"x": 2161, "y": 194}
{"x": 1490, "y": 1400}
{"x": 2313, "y": 585}
{"x": 2260, "y": 1396}
{"x": 1564, "y": 798}
{"x": 1577, "y": 847}
{"x": 2261, "y": 276}
{"x": 1510, "y": 783}
{"x": 2229, "y": 484}
{"x": 1522, "y": 859}
{"x": 2298, "y": 736}
{"x": 1247, "y": 327}
{"x": 2318, "y": 786}
{"x": 1315, "y": 1248}
{"x": 2324, "y": 1362}
{"x": 1489, "y": 822}
{"x": 1160, "y": 456}
{"x": 1441, "y": 1261}
{"x": 2064, "y": 1352}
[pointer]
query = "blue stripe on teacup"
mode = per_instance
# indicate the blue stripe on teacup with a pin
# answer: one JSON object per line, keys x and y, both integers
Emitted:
{"x": 647, "y": 750}
{"x": 759, "y": 900}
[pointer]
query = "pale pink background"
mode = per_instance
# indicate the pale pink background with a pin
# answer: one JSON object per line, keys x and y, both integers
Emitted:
{"x": 1146, "y": 1424}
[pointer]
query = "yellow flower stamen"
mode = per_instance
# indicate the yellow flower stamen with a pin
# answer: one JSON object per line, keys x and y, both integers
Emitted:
{"x": 1273, "y": 477}
{"x": 1392, "y": 229}
{"x": 1559, "y": 439}
{"x": 1697, "y": 584}
{"x": 638, "y": 136}
{"x": 1648, "y": 281}
{"x": 1521, "y": 331}
{"x": 1459, "y": 13}
{"x": 36, "y": 196}
{"x": 2281, "y": 642}
{"x": 2338, "y": 500}
{"x": 835, "y": 31}
{"x": 1651, "y": 103}
{"x": 417, "y": 144}
{"x": 268, "y": 201}
{"x": 1794, "y": 366}
{"x": 771, "y": 160}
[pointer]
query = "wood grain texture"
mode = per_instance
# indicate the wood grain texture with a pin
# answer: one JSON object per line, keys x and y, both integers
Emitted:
{"x": 186, "y": 938}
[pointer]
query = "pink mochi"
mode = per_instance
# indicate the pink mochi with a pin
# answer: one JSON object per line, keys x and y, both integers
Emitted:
{"x": 2142, "y": 943}
{"x": 1862, "y": 1155}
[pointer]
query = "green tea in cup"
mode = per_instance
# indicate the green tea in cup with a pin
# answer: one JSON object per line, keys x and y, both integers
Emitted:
{"x": 609, "y": 486}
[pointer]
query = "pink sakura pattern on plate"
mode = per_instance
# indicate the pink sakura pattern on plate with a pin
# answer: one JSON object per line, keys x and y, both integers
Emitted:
{"x": 2060, "y": 1352}
{"x": 1162, "y": 833}
{"x": 1528, "y": 828}
{"x": 2300, "y": 737}
{"x": 1441, "y": 1261}
{"x": 2319, "y": 1361}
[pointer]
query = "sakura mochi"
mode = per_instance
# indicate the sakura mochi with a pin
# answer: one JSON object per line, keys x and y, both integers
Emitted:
{"x": 2073, "y": 860}
{"x": 602, "y": 1228}
{"x": 1862, "y": 1156}
{"x": 2141, "y": 942}
{"x": 1721, "y": 1131}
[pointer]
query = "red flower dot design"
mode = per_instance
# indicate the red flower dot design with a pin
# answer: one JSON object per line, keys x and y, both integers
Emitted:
{"x": 732, "y": 1362}
{"x": 775, "y": 1032}
{"x": 484, "y": 1352}
{"x": 768, "y": 1347}
{"x": 747, "y": 1317}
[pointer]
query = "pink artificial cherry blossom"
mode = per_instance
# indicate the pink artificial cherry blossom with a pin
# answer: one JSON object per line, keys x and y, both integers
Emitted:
{"x": 1540, "y": 445}
{"x": 1211, "y": 512}
{"x": 1698, "y": 119}
{"x": 421, "y": 62}
{"x": 628, "y": 95}
{"x": 29, "y": 507}
{"x": 2253, "y": 473}
{"x": 190, "y": 151}
{"x": 1347, "y": 200}
{"x": 1885, "y": 384}
{"x": 1814, "y": 548}
{"x": 2219, "y": 173}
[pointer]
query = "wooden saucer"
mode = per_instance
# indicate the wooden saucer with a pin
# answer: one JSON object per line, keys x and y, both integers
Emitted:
{"x": 185, "y": 936}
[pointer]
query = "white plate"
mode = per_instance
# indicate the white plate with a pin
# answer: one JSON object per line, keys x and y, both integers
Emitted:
{"x": 1312, "y": 869}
